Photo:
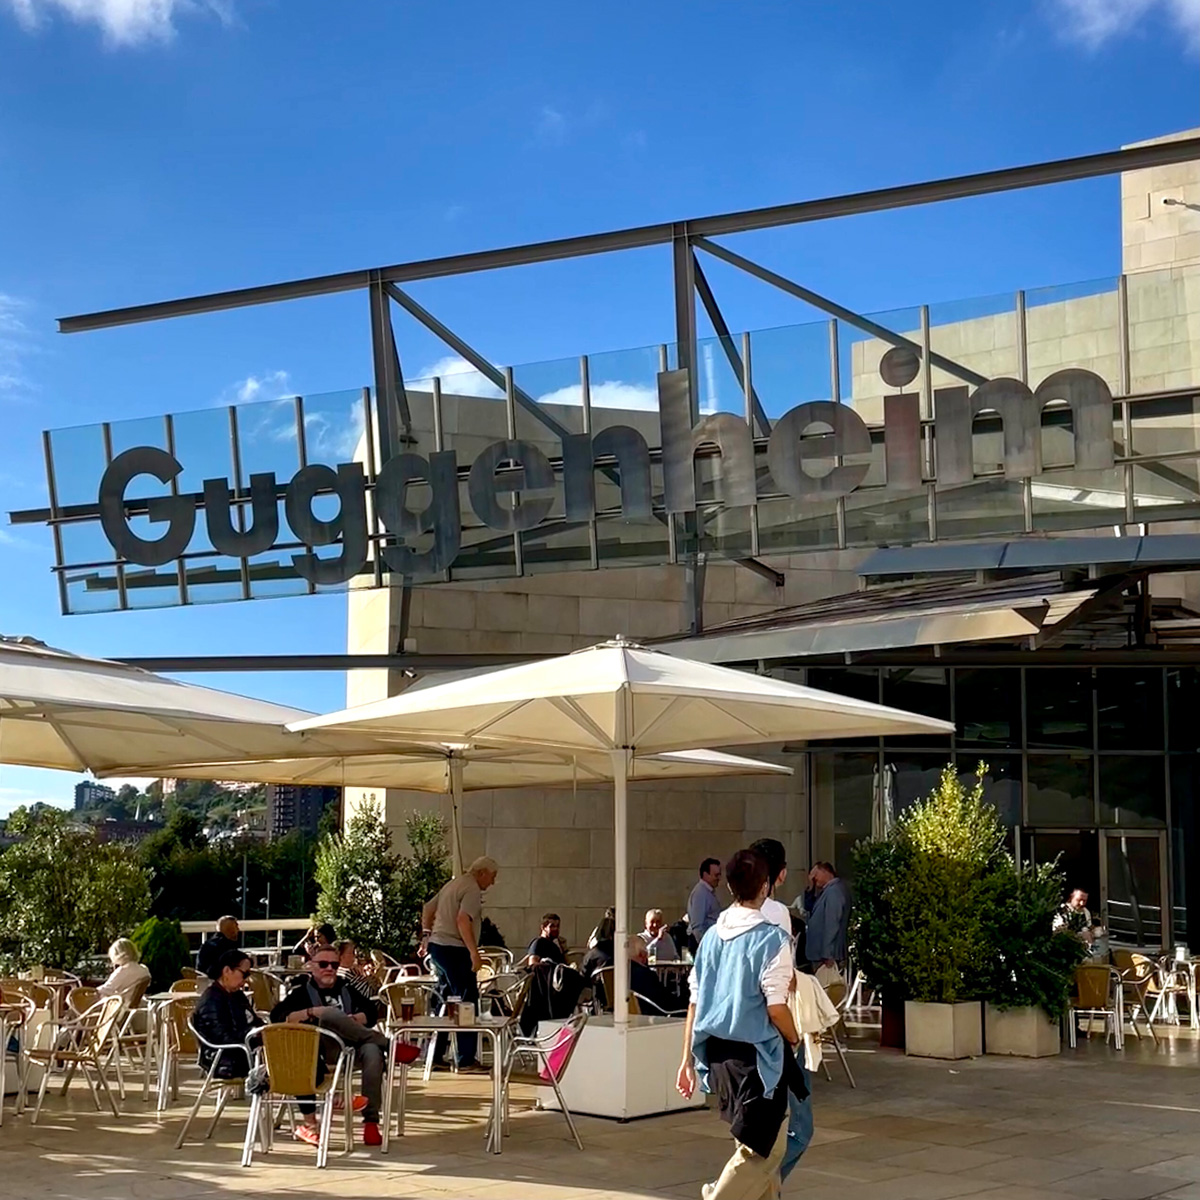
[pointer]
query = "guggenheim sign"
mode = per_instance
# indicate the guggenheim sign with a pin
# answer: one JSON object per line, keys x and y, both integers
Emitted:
{"x": 512, "y": 484}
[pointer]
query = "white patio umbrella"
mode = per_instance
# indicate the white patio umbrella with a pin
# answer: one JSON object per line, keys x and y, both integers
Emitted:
{"x": 622, "y": 700}
{"x": 73, "y": 713}
{"x": 453, "y": 770}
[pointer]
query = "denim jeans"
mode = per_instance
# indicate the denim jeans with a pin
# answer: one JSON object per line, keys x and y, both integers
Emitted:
{"x": 452, "y": 966}
{"x": 799, "y": 1129}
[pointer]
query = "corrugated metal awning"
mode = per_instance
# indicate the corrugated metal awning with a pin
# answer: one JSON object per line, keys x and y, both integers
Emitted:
{"x": 942, "y": 612}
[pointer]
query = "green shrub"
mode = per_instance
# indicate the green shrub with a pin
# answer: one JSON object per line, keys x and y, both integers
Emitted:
{"x": 163, "y": 947}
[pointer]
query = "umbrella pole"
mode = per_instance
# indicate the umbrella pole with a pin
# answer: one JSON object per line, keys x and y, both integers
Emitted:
{"x": 456, "y": 795}
{"x": 620, "y": 1001}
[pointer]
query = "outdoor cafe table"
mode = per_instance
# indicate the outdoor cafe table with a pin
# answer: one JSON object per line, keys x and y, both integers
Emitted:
{"x": 498, "y": 1031}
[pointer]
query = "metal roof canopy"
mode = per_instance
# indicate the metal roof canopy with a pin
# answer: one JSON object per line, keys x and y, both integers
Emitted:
{"x": 1158, "y": 550}
{"x": 900, "y": 617}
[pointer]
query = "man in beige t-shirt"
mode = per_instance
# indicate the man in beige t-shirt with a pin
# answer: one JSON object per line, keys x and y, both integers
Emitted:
{"x": 451, "y": 920}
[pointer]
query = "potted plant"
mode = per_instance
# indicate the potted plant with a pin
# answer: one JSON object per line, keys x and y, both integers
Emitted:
{"x": 1031, "y": 963}
{"x": 881, "y": 872}
{"x": 922, "y": 934}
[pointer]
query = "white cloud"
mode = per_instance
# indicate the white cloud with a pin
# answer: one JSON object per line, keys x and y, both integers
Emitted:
{"x": 16, "y": 344}
{"x": 13, "y": 542}
{"x": 272, "y": 385}
{"x": 1094, "y": 22}
{"x": 609, "y": 394}
{"x": 460, "y": 378}
{"x": 123, "y": 22}
{"x": 551, "y": 128}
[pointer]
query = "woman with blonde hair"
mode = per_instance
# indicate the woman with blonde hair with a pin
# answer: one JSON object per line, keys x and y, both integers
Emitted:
{"x": 129, "y": 974}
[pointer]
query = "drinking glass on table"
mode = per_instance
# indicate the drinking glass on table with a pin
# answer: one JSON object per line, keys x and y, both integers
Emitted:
{"x": 408, "y": 1009}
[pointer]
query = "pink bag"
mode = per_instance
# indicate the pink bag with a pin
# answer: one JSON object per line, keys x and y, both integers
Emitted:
{"x": 556, "y": 1056}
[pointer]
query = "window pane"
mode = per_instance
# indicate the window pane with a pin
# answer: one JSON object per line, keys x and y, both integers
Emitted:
{"x": 842, "y": 794}
{"x": 1185, "y": 792}
{"x": 1060, "y": 789}
{"x": 1183, "y": 703}
{"x": 1060, "y": 709}
{"x": 987, "y": 706}
{"x": 1134, "y": 890}
{"x": 1001, "y": 783}
{"x": 1130, "y": 708}
{"x": 924, "y": 690}
{"x": 1132, "y": 790}
{"x": 913, "y": 776}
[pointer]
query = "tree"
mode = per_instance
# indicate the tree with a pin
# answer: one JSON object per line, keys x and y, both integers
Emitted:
{"x": 63, "y": 894}
{"x": 370, "y": 893}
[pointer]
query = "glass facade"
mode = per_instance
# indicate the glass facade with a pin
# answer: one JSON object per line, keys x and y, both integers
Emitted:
{"x": 1098, "y": 767}
{"x": 1154, "y": 473}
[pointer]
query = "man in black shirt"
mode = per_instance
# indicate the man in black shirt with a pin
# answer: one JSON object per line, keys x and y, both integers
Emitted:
{"x": 217, "y": 945}
{"x": 546, "y": 947}
{"x": 323, "y": 999}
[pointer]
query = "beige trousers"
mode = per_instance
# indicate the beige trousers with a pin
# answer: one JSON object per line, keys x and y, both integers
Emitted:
{"x": 749, "y": 1176}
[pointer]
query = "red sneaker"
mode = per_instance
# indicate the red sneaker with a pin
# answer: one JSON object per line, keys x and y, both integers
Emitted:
{"x": 356, "y": 1105}
{"x": 371, "y": 1134}
{"x": 308, "y": 1133}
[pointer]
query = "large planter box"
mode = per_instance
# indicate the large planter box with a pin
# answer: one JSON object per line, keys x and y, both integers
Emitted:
{"x": 943, "y": 1030}
{"x": 1025, "y": 1032}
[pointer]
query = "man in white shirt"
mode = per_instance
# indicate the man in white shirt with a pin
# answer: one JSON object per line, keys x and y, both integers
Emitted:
{"x": 800, "y": 1113}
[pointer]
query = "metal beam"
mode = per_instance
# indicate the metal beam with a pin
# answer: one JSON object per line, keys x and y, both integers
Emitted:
{"x": 491, "y": 372}
{"x": 709, "y": 300}
{"x": 957, "y": 187}
{"x": 837, "y": 310}
{"x": 182, "y": 664}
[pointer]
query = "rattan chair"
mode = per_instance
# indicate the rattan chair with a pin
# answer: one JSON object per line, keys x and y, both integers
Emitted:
{"x": 84, "y": 1045}
{"x": 180, "y": 1043}
{"x": 290, "y": 1054}
{"x": 1098, "y": 993}
{"x": 529, "y": 1061}
{"x": 224, "y": 1088}
{"x": 1139, "y": 980}
{"x": 264, "y": 991}
{"x": 80, "y": 999}
{"x": 132, "y": 1044}
{"x": 42, "y": 997}
{"x": 18, "y": 1014}
{"x": 186, "y": 987}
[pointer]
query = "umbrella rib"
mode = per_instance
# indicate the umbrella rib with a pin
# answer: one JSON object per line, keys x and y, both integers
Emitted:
{"x": 570, "y": 708}
{"x": 761, "y": 734}
{"x": 481, "y": 730}
{"x": 675, "y": 703}
{"x": 67, "y": 741}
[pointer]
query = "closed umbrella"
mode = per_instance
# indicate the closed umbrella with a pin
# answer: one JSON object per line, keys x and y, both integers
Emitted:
{"x": 621, "y": 700}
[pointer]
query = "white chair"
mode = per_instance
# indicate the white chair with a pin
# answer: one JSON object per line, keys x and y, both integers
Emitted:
{"x": 224, "y": 1088}
{"x": 542, "y": 1062}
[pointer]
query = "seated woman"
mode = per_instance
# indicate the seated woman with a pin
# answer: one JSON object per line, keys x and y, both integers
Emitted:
{"x": 224, "y": 1017}
{"x": 317, "y": 937}
{"x": 129, "y": 977}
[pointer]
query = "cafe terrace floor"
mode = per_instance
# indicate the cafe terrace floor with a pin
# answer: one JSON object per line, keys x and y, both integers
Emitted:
{"x": 1093, "y": 1124}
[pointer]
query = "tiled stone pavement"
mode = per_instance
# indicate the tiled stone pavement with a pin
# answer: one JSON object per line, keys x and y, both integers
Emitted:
{"x": 1089, "y": 1125}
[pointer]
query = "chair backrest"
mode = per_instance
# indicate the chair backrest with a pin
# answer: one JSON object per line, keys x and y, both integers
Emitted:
{"x": 188, "y": 973}
{"x": 485, "y": 973}
{"x": 394, "y": 994}
{"x": 1122, "y": 960}
{"x": 1142, "y": 970}
{"x": 410, "y": 969}
{"x": 603, "y": 979}
{"x": 42, "y": 997}
{"x": 179, "y": 1013}
{"x": 100, "y": 1020}
{"x": 575, "y": 957}
{"x": 80, "y": 999}
{"x": 16, "y": 1003}
{"x": 290, "y": 1053}
{"x": 1094, "y": 987}
{"x": 263, "y": 990}
{"x": 499, "y": 956}
{"x": 185, "y": 986}
{"x": 517, "y": 996}
{"x": 383, "y": 961}
{"x": 137, "y": 993}
{"x": 562, "y": 1049}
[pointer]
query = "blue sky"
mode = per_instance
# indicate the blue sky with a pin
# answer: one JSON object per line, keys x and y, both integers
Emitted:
{"x": 158, "y": 148}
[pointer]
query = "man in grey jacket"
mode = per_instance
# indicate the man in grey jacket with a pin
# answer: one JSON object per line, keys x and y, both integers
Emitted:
{"x": 825, "y": 933}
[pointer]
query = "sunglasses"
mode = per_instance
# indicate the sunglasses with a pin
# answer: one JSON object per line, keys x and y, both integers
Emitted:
{"x": 326, "y": 964}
